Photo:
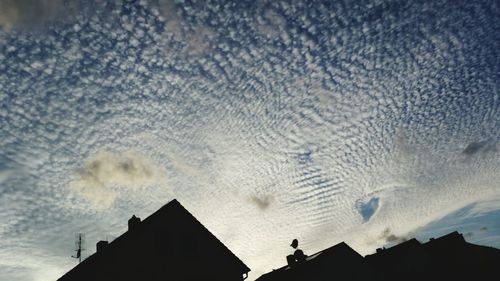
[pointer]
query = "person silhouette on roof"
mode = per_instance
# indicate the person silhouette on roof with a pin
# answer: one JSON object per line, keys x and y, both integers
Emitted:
{"x": 298, "y": 255}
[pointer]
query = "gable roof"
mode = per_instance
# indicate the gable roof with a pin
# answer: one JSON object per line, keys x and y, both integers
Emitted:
{"x": 337, "y": 253}
{"x": 448, "y": 239}
{"x": 175, "y": 204}
{"x": 166, "y": 211}
{"x": 399, "y": 249}
{"x": 339, "y": 249}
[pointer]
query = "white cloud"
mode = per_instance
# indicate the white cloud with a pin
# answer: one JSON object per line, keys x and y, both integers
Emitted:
{"x": 288, "y": 135}
{"x": 27, "y": 13}
{"x": 105, "y": 170}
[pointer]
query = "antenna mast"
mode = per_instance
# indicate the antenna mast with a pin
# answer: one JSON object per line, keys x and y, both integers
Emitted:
{"x": 79, "y": 249}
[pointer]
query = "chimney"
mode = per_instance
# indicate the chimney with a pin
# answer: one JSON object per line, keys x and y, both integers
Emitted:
{"x": 290, "y": 260}
{"x": 101, "y": 245}
{"x": 133, "y": 222}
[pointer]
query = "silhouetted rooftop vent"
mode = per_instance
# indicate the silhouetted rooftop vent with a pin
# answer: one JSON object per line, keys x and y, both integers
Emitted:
{"x": 101, "y": 245}
{"x": 133, "y": 222}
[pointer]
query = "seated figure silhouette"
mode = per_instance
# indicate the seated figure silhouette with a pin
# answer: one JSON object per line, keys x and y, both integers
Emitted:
{"x": 298, "y": 256}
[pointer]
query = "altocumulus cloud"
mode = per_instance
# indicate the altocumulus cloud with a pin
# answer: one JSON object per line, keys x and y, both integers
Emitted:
{"x": 390, "y": 238}
{"x": 480, "y": 146}
{"x": 102, "y": 173}
{"x": 307, "y": 112}
{"x": 263, "y": 202}
{"x": 27, "y": 13}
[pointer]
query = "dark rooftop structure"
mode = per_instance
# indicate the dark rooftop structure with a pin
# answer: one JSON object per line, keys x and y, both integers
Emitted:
{"x": 449, "y": 257}
{"x": 339, "y": 262}
{"x": 171, "y": 244}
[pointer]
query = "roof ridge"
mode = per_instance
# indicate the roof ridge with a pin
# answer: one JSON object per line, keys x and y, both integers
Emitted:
{"x": 217, "y": 239}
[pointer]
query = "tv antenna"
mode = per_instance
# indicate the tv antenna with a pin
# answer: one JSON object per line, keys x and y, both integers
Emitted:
{"x": 78, "y": 246}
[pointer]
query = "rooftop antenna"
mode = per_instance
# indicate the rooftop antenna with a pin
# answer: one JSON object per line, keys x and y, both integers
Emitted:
{"x": 78, "y": 246}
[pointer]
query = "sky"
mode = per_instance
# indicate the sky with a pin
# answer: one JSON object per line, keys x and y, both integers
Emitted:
{"x": 369, "y": 122}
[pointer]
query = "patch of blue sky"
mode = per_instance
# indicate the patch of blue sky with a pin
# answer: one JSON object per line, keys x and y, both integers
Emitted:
{"x": 481, "y": 228}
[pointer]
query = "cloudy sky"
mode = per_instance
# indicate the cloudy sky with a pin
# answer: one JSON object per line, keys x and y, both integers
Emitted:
{"x": 327, "y": 121}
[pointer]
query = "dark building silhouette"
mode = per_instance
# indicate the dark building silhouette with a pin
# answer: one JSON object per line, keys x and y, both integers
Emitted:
{"x": 339, "y": 262}
{"x": 449, "y": 257}
{"x": 168, "y": 245}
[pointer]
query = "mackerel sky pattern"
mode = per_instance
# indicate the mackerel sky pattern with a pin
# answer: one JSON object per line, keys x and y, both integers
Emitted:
{"x": 268, "y": 120}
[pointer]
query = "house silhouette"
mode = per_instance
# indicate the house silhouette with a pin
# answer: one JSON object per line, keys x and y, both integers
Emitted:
{"x": 170, "y": 244}
{"x": 449, "y": 257}
{"x": 339, "y": 262}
